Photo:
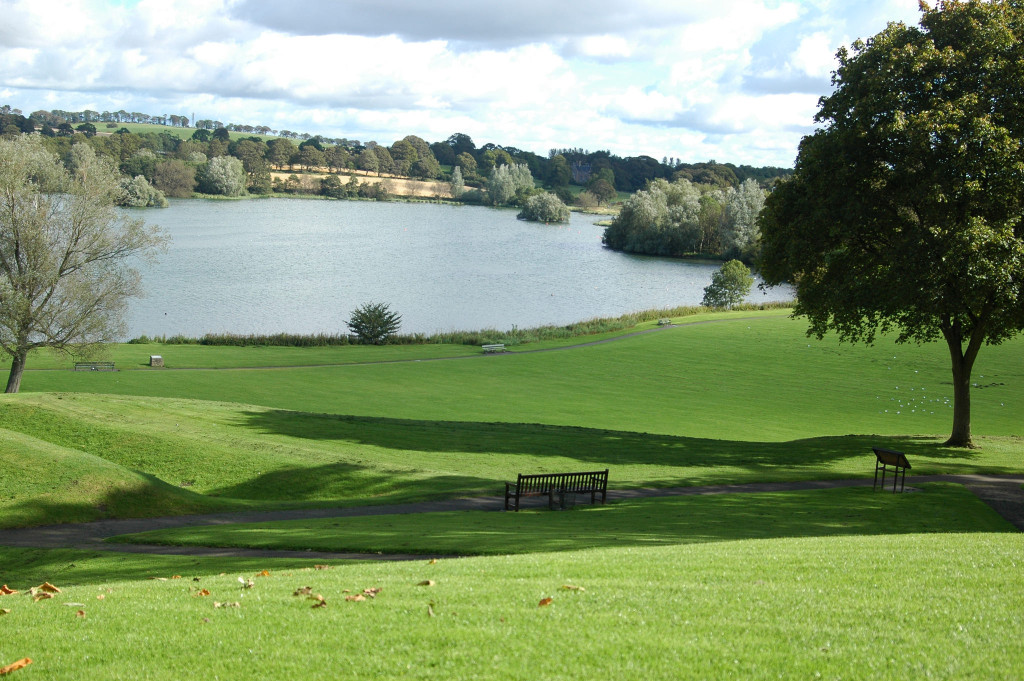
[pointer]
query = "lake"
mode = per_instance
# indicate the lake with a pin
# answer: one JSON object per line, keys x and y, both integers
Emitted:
{"x": 302, "y": 266}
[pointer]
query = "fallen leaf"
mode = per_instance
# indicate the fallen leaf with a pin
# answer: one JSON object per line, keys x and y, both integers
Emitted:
{"x": 320, "y": 604}
{"x": 571, "y": 587}
{"x": 430, "y": 610}
{"x": 75, "y": 605}
{"x": 544, "y": 601}
{"x": 317, "y": 597}
{"x": 321, "y": 567}
{"x": 159, "y": 579}
{"x": 175, "y": 576}
{"x": 432, "y": 561}
{"x": 5, "y": 611}
{"x": 304, "y": 591}
{"x": 246, "y": 583}
{"x": 41, "y": 596}
{"x": 427, "y": 582}
{"x": 263, "y": 573}
{"x": 195, "y": 579}
{"x": 202, "y": 592}
{"x": 80, "y": 613}
{"x": 7, "y": 591}
{"x": 14, "y": 666}
{"x": 233, "y": 604}
{"x": 48, "y": 588}
{"x": 100, "y": 597}
{"x": 372, "y": 592}
{"x": 356, "y": 597}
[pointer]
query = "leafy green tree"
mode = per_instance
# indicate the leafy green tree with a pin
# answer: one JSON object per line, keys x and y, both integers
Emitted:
{"x": 223, "y": 175}
{"x": 404, "y": 155}
{"x": 175, "y": 178}
{"x": 88, "y": 129}
{"x": 311, "y": 158}
{"x": 905, "y": 211}
{"x": 331, "y": 187}
{"x": 338, "y": 157}
{"x": 729, "y": 285}
{"x": 66, "y": 253}
{"x": 602, "y": 189}
{"x": 374, "y": 323}
{"x": 506, "y": 181}
{"x": 137, "y": 192}
{"x": 468, "y": 165}
{"x": 544, "y": 207}
{"x": 280, "y": 152}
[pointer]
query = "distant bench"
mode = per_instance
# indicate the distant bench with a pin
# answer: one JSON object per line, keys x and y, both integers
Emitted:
{"x": 557, "y": 484}
{"x": 94, "y": 366}
{"x": 886, "y": 458}
{"x": 494, "y": 347}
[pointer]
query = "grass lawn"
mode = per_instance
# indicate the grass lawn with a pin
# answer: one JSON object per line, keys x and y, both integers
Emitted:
{"x": 867, "y": 607}
{"x": 836, "y": 584}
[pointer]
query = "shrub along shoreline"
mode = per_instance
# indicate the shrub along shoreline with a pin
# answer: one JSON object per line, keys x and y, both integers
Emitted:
{"x": 513, "y": 336}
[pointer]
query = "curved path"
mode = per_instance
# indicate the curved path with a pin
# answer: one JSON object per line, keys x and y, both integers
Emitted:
{"x": 1005, "y": 494}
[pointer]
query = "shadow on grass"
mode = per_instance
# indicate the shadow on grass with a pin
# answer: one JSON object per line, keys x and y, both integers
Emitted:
{"x": 941, "y": 507}
{"x": 26, "y": 567}
{"x": 823, "y": 457}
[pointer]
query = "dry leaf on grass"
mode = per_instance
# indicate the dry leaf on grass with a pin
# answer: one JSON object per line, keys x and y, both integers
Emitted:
{"x": 202, "y": 592}
{"x": 427, "y": 582}
{"x": 14, "y": 666}
{"x": 356, "y": 597}
{"x": 571, "y": 587}
{"x": 100, "y": 597}
{"x": 159, "y": 579}
{"x": 7, "y": 591}
{"x": 48, "y": 588}
{"x": 233, "y": 604}
{"x": 430, "y": 610}
{"x": 544, "y": 601}
{"x": 246, "y": 583}
{"x": 80, "y": 613}
{"x": 321, "y": 567}
{"x": 5, "y": 611}
{"x": 304, "y": 591}
{"x": 40, "y": 595}
{"x": 432, "y": 561}
{"x": 372, "y": 591}
{"x": 263, "y": 573}
{"x": 175, "y": 576}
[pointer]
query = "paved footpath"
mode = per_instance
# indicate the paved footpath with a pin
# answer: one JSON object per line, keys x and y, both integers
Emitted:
{"x": 1005, "y": 494}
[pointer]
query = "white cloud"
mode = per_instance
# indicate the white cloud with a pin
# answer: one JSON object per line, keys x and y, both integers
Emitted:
{"x": 736, "y": 79}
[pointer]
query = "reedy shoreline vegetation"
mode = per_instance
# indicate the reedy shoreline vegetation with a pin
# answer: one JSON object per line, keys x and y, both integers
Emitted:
{"x": 513, "y": 336}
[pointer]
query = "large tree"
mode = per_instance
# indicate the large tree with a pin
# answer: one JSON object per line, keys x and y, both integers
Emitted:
{"x": 65, "y": 252}
{"x": 905, "y": 210}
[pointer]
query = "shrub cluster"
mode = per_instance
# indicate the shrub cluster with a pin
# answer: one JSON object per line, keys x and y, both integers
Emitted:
{"x": 513, "y": 336}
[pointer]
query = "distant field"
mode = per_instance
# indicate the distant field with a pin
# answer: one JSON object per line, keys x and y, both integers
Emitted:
{"x": 182, "y": 133}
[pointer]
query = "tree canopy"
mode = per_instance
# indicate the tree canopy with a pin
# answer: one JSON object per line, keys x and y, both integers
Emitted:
{"x": 905, "y": 210}
{"x": 65, "y": 252}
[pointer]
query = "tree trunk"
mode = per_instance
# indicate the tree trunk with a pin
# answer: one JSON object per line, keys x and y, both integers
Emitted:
{"x": 17, "y": 368}
{"x": 963, "y": 364}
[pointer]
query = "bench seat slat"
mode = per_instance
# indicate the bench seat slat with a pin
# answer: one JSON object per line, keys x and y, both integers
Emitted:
{"x": 540, "y": 484}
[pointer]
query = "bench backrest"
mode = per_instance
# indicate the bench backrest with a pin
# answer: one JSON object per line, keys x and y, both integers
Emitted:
{"x": 570, "y": 482}
{"x": 891, "y": 458}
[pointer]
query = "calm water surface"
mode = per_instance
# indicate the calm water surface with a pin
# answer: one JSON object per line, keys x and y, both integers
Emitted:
{"x": 267, "y": 266}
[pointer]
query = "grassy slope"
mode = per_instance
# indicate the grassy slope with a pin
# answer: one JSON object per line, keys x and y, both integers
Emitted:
{"x": 876, "y": 607}
{"x": 680, "y": 407}
{"x": 726, "y": 406}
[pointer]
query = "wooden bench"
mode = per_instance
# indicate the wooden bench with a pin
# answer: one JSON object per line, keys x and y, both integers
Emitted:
{"x": 94, "y": 366}
{"x": 886, "y": 458}
{"x": 494, "y": 347}
{"x": 557, "y": 484}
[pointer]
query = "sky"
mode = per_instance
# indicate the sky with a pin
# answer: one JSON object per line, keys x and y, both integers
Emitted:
{"x": 736, "y": 81}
